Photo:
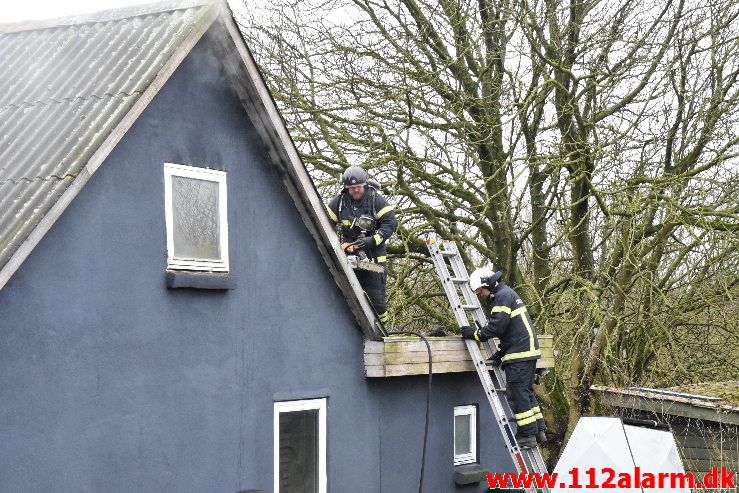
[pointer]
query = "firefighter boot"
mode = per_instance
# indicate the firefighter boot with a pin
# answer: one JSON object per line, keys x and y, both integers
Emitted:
{"x": 526, "y": 441}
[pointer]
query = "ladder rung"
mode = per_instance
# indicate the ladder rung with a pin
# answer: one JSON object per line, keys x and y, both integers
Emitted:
{"x": 469, "y": 308}
{"x": 459, "y": 280}
{"x": 447, "y": 254}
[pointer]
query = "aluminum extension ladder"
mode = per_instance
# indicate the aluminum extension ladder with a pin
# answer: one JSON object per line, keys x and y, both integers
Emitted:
{"x": 525, "y": 460}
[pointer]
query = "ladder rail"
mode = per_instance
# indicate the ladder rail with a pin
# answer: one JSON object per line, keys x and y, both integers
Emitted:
{"x": 460, "y": 270}
{"x": 491, "y": 385}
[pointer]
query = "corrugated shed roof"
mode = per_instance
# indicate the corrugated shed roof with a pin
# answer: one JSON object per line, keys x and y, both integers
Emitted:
{"x": 727, "y": 391}
{"x": 673, "y": 401}
{"x": 64, "y": 86}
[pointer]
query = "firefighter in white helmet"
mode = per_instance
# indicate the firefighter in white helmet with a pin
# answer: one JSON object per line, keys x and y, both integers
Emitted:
{"x": 517, "y": 352}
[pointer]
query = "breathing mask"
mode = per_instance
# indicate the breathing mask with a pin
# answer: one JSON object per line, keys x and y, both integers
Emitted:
{"x": 363, "y": 223}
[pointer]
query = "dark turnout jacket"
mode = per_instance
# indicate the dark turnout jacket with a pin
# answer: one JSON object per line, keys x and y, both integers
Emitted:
{"x": 343, "y": 209}
{"x": 511, "y": 324}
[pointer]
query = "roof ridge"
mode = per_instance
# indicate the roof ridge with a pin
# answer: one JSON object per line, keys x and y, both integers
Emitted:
{"x": 103, "y": 15}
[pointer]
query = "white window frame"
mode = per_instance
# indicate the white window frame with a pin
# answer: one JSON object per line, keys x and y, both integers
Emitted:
{"x": 172, "y": 169}
{"x": 471, "y": 411}
{"x": 302, "y": 405}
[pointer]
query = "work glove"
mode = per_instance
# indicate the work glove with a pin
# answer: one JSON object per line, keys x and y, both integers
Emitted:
{"x": 467, "y": 332}
{"x": 364, "y": 243}
{"x": 496, "y": 359}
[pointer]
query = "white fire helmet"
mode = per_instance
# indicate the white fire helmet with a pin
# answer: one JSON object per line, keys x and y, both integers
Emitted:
{"x": 476, "y": 278}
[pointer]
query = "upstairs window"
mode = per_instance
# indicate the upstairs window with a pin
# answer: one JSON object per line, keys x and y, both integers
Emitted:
{"x": 465, "y": 435}
{"x": 197, "y": 228}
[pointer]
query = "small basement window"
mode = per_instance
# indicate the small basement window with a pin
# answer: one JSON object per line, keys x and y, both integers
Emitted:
{"x": 465, "y": 434}
{"x": 300, "y": 446}
{"x": 196, "y": 214}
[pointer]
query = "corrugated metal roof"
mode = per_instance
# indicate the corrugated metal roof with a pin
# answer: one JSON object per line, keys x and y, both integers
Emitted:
{"x": 64, "y": 86}
{"x": 726, "y": 391}
{"x": 70, "y": 88}
{"x": 628, "y": 397}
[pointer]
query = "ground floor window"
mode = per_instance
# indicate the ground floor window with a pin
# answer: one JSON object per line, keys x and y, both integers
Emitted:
{"x": 465, "y": 434}
{"x": 300, "y": 446}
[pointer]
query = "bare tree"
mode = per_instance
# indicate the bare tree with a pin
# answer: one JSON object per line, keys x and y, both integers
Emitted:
{"x": 586, "y": 148}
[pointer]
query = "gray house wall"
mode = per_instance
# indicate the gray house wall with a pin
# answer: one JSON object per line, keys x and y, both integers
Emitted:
{"x": 111, "y": 382}
{"x": 403, "y": 402}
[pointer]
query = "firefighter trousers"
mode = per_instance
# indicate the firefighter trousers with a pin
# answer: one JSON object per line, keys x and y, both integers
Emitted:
{"x": 375, "y": 284}
{"x": 521, "y": 397}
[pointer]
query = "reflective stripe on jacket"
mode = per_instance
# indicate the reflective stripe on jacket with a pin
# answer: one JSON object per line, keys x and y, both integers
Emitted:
{"x": 511, "y": 324}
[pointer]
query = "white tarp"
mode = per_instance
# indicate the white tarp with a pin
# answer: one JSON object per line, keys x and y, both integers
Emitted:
{"x": 605, "y": 450}
{"x": 654, "y": 451}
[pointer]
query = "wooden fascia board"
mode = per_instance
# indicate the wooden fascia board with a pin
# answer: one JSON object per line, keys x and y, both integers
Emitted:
{"x": 97, "y": 159}
{"x": 408, "y": 355}
{"x": 261, "y": 108}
